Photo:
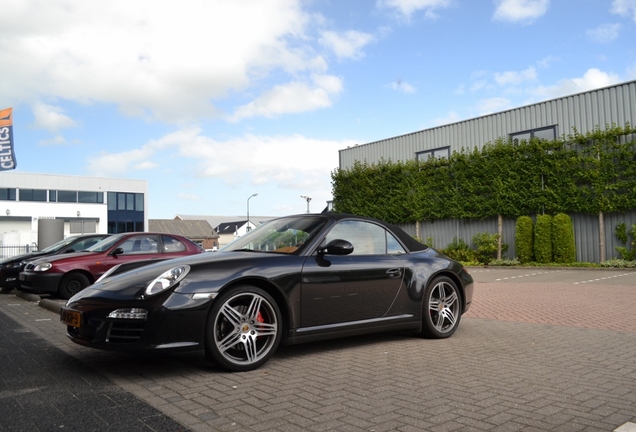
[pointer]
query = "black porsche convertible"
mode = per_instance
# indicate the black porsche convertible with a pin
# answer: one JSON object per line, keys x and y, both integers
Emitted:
{"x": 294, "y": 279}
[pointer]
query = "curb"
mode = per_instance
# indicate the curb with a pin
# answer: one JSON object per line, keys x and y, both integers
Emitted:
{"x": 52, "y": 305}
{"x": 28, "y": 296}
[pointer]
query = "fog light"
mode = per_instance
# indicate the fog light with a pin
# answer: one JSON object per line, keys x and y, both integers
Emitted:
{"x": 132, "y": 313}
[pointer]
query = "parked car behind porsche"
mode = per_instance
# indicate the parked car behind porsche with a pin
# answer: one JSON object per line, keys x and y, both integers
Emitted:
{"x": 10, "y": 268}
{"x": 68, "y": 274}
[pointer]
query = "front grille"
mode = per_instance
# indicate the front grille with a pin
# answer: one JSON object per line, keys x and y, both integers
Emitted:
{"x": 29, "y": 266}
{"x": 124, "y": 332}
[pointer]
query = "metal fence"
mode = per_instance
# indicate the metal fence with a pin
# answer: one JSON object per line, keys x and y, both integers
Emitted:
{"x": 440, "y": 234}
{"x": 8, "y": 251}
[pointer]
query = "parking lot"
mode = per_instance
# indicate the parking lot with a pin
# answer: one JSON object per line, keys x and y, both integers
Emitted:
{"x": 540, "y": 350}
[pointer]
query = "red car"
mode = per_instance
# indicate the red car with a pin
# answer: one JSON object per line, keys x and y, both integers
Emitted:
{"x": 69, "y": 274}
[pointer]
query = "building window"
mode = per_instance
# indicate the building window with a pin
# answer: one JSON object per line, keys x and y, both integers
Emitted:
{"x": 125, "y": 212}
{"x": 7, "y": 194}
{"x": 438, "y": 153}
{"x": 546, "y": 133}
{"x": 90, "y": 197}
{"x": 67, "y": 196}
{"x": 32, "y": 195}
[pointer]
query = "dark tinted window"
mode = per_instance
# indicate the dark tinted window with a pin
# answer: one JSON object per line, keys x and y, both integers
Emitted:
{"x": 7, "y": 194}
{"x": 32, "y": 194}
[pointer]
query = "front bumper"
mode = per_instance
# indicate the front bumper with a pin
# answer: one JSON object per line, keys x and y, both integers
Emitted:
{"x": 175, "y": 323}
{"x": 40, "y": 282}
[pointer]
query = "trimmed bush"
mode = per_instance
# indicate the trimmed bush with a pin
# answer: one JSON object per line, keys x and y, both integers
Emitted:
{"x": 563, "y": 245}
{"x": 543, "y": 239}
{"x": 524, "y": 242}
{"x": 459, "y": 251}
{"x": 487, "y": 245}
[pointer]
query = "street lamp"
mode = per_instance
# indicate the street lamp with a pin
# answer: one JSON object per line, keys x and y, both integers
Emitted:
{"x": 248, "y": 211}
{"x": 305, "y": 197}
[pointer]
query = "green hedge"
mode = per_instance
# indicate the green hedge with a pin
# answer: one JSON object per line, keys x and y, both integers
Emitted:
{"x": 543, "y": 239}
{"x": 579, "y": 173}
{"x": 524, "y": 239}
{"x": 563, "y": 245}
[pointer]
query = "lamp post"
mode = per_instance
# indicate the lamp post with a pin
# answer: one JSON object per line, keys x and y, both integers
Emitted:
{"x": 305, "y": 197}
{"x": 248, "y": 211}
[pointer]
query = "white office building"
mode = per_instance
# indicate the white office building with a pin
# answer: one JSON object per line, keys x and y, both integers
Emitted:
{"x": 81, "y": 204}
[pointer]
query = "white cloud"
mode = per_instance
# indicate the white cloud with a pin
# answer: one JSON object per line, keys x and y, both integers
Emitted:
{"x": 152, "y": 62}
{"x": 57, "y": 140}
{"x": 520, "y": 10}
{"x": 402, "y": 86}
{"x": 113, "y": 164}
{"x": 592, "y": 79}
{"x": 294, "y": 97}
{"x": 292, "y": 162}
{"x": 188, "y": 197}
{"x": 451, "y": 117}
{"x": 347, "y": 45}
{"x": 406, "y": 8}
{"x": 604, "y": 33}
{"x": 626, "y": 8}
{"x": 51, "y": 118}
{"x": 489, "y": 106}
{"x": 515, "y": 78}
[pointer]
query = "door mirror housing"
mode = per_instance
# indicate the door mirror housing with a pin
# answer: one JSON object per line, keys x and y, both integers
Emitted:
{"x": 336, "y": 247}
{"x": 118, "y": 251}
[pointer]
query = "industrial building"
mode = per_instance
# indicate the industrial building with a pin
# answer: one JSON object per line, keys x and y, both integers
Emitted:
{"x": 552, "y": 119}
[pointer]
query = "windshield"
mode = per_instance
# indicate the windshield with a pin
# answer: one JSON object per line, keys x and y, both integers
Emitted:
{"x": 105, "y": 244}
{"x": 59, "y": 245}
{"x": 285, "y": 235}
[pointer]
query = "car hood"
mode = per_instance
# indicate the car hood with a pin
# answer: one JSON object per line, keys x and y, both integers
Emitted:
{"x": 23, "y": 257}
{"x": 64, "y": 257}
{"x": 133, "y": 282}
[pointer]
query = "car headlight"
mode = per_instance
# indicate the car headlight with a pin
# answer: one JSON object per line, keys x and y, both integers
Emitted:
{"x": 167, "y": 280}
{"x": 42, "y": 267}
{"x": 14, "y": 265}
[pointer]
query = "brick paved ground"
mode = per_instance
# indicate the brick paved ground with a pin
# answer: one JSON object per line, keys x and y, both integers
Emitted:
{"x": 544, "y": 352}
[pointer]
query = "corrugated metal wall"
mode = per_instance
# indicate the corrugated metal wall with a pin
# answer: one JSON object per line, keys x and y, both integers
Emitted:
{"x": 586, "y": 233}
{"x": 585, "y": 111}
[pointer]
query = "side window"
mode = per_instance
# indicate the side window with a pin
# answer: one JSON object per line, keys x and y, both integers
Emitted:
{"x": 140, "y": 244}
{"x": 171, "y": 244}
{"x": 393, "y": 246}
{"x": 85, "y": 244}
{"x": 366, "y": 238}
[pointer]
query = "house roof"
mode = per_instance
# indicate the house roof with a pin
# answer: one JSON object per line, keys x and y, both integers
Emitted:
{"x": 192, "y": 229}
{"x": 229, "y": 227}
{"x": 215, "y": 221}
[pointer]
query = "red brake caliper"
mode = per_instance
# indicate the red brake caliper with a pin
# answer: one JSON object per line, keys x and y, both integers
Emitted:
{"x": 259, "y": 317}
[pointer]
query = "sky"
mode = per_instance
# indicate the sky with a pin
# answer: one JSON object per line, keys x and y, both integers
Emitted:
{"x": 212, "y": 101}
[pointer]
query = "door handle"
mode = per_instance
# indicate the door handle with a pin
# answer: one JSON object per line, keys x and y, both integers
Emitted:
{"x": 394, "y": 273}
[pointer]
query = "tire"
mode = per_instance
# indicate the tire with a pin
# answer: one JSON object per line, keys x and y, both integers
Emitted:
{"x": 441, "y": 308}
{"x": 243, "y": 329}
{"x": 5, "y": 290}
{"x": 71, "y": 284}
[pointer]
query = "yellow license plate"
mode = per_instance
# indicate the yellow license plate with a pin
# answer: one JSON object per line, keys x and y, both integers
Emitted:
{"x": 71, "y": 318}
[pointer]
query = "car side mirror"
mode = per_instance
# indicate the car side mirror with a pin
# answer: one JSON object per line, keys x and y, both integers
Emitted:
{"x": 336, "y": 247}
{"x": 118, "y": 251}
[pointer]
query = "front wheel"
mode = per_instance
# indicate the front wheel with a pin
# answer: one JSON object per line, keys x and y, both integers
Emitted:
{"x": 441, "y": 308}
{"x": 71, "y": 284}
{"x": 244, "y": 329}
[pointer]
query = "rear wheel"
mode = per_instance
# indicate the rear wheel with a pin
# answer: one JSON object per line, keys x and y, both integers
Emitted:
{"x": 244, "y": 329}
{"x": 5, "y": 290}
{"x": 441, "y": 309}
{"x": 71, "y": 284}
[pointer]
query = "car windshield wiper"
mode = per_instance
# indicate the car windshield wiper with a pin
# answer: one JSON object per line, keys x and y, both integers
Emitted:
{"x": 247, "y": 250}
